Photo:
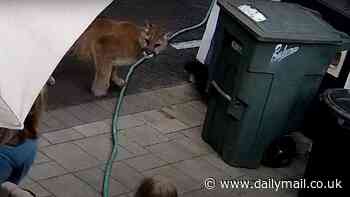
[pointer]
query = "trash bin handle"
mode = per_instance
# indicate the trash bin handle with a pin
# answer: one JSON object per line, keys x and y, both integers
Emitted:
{"x": 222, "y": 92}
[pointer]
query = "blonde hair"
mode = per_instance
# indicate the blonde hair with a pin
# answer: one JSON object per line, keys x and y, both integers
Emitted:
{"x": 156, "y": 187}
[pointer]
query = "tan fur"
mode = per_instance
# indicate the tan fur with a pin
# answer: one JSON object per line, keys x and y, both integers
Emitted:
{"x": 110, "y": 44}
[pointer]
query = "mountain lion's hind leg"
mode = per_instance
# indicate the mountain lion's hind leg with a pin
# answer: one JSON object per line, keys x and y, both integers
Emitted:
{"x": 103, "y": 71}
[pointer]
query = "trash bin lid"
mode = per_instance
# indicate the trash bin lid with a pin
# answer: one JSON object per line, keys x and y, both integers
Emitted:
{"x": 338, "y": 100}
{"x": 284, "y": 22}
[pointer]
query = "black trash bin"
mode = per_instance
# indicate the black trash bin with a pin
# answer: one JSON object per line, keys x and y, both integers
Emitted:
{"x": 329, "y": 163}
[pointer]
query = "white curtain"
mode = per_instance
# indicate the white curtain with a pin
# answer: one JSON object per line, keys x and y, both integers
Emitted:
{"x": 34, "y": 36}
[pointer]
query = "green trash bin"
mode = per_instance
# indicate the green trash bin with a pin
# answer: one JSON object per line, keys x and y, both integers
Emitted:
{"x": 266, "y": 74}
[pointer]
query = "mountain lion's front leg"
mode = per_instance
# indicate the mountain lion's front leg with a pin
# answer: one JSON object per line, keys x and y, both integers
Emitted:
{"x": 116, "y": 79}
{"x": 101, "y": 81}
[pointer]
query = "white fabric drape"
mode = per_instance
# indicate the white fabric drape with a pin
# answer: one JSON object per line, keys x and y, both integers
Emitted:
{"x": 34, "y": 36}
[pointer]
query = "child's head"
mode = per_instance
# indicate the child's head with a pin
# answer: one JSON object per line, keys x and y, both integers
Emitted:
{"x": 156, "y": 187}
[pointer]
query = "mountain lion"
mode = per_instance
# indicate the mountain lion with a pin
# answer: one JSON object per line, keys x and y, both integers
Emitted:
{"x": 110, "y": 44}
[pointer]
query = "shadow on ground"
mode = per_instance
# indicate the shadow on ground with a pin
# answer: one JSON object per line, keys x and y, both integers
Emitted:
{"x": 73, "y": 78}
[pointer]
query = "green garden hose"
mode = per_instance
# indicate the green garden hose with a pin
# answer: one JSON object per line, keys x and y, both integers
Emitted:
{"x": 116, "y": 113}
{"x": 115, "y": 119}
{"x": 205, "y": 19}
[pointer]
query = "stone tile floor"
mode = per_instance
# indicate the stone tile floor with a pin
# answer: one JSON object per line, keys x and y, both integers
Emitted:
{"x": 160, "y": 134}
